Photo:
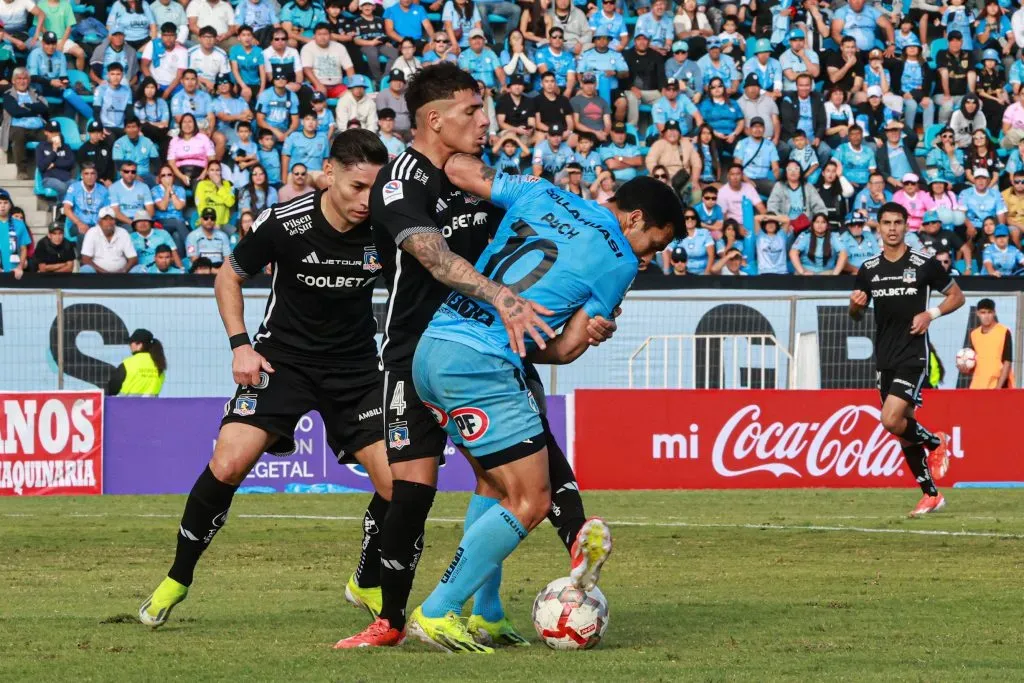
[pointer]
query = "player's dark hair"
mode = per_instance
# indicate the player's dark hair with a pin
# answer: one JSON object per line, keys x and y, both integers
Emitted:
{"x": 439, "y": 81}
{"x": 893, "y": 207}
{"x": 358, "y": 146}
{"x": 826, "y": 241}
{"x": 658, "y": 203}
{"x": 986, "y": 305}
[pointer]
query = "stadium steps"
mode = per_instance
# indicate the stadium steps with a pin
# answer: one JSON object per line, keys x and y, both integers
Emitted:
{"x": 37, "y": 213}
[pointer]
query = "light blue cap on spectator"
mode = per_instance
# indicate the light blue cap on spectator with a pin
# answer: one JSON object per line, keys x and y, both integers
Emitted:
{"x": 680, "y": 46}
{"x": 1001, "y": 231}
{"x": 602, "y": 32}
{"x": 357, "y": 81}
{"x": 930, "y": 217}
{"x": 714, "y": 41}
{"x": 642, "y": 4}
{"x": 797, "y": 33}
{"x": 990, "y": 54}
{"x": 762, "y": 45}
{"x": 913, "y": 40}
{"x": 936, "y": 178}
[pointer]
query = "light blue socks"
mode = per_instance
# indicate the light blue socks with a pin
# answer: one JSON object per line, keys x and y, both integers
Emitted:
{"x": 485, "y": 545}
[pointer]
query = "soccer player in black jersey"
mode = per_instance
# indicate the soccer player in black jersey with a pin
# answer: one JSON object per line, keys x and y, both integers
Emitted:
{"x": 315, "y": 350}
{"x": 428, "y": 234}
{"x": 900, "y": 280}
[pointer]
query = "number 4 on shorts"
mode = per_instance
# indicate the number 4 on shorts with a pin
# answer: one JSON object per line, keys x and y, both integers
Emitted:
{"x": 398, "y": 399}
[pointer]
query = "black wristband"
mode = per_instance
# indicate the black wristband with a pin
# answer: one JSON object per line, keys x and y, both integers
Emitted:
{"x": 240, "y": 339}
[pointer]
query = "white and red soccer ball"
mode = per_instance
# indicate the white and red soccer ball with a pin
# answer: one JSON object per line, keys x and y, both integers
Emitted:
{"x": 965, "y": 360}
{"x": 567, "y": 618}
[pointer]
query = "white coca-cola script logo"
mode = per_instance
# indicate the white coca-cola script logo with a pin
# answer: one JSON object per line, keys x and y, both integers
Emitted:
{"x": 824, "y": 447}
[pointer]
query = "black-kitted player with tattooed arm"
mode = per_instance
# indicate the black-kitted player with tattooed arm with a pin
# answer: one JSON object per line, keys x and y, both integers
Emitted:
{"x": 900, "y": 280}
{"x": 428, "y": 234}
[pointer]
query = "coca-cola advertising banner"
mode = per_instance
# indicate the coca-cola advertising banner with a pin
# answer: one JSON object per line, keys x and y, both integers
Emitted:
{"x": 677, "y": 439}
{"x": 51, "y": 443}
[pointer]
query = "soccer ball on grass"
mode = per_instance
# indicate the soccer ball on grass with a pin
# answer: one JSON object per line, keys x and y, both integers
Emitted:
{"x": 965, "y": 360}
{"x": 567, "y": 618}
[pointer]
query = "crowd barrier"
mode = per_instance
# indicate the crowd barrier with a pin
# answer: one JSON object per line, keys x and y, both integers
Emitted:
{"x": 782, "y": 439}
{"x": 78, "y": 443}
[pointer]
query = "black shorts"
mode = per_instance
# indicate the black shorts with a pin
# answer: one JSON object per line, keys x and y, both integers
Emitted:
{"x": 904, "y": 382}
{"x": 347, "y": 398}
{"x": 411, "y": 430}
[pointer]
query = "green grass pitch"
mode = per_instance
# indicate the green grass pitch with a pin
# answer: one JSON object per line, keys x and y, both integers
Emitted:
{"x": 710, "y": 586}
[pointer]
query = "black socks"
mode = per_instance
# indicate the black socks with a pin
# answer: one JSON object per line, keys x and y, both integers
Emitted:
{"x": 917, "y": 461}
{"x": 566, "y": 515}
{"x": 368, "y": 570}
{"x": 402, "y": 545}
{"x": 206, "y": 511}
{"x": 917, "y": 434}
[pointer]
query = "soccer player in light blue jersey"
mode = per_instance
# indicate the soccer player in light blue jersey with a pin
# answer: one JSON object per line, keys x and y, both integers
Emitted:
{"x": 566, "y": 254}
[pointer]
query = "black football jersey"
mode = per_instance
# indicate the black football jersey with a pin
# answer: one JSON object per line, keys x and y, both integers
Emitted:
{"x": 321, "y": 297}
{"x": 900, "y": 290}
{"x": 412, "y": 196}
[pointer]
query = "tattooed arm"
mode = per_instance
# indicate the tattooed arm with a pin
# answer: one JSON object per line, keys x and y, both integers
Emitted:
{"x": 471, "y": 174}
{"x": 519, "y": 315}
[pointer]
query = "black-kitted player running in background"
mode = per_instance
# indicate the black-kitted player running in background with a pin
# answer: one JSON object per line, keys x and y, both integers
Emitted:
{"x": 315, "y": 350}
{"x": 900, "y": 281}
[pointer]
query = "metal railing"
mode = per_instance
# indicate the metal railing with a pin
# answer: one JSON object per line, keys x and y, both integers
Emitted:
{"x": 710, "y": 361}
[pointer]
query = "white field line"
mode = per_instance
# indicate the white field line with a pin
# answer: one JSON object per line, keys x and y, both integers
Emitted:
{"x": 672, "y": 524}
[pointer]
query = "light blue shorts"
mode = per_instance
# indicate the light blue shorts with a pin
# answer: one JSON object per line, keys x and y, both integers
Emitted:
{"x": 480, "y": 400}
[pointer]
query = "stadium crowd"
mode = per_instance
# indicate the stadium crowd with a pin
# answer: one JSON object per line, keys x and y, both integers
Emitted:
{"x": 161, "y": 130}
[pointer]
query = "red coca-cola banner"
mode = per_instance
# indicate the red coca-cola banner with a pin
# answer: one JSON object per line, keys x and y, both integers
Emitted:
{"x": 674, "y": 439}
{"x": 51, "y": 443}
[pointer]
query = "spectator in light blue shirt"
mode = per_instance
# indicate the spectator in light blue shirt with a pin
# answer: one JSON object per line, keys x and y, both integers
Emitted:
{"x": 621, "y": 157}
{"x": 45, "y": 65}
{"x": 981, "y": 202}
{"x": 797, "y": 60}
{"x": 481, "y": 61}
{"x": 269, "y": 157}
{"x": 606, "y": 63}
{"x": 857, "y": 159}
{"x": 657, "y": 26}
{"x": 137, "y": 148}
{"x": 208, "y": 240}
{"x": 551, "y": 154}
{"x": 247, "y": 63}
{"x": 817, "y": 251}
{"x": 759, "y": 158}
{"x": 404, "y": 19}
{"x": 146, "y": 241}
{"x": 305, "y": 146}
{"x": 14, "y": 238}
{"x": 112, "y": 100}
{"x": 767, "y": 69}
{"x": 609, "y": 19}
{"x": 256, "y": 14}
{"x": 192, "y": 100}
{"x": 1000, "y": 258}
{"x": 227, "y": 110}
{"x": 134, "y": 18}
{"x": 163, "y": 263}
{"x": 129, "y": 195}
{"x": 860, "y": 244}
{"x": 714, "y": 63}
{"x": 559, "y": 61}
{"x": 83, "y": 201}
{"x": 860, "y": 21}
{"x": 675, "y": 107}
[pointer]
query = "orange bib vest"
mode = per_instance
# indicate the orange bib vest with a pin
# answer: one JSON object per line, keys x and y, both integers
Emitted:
{"x": 989, "y": 351}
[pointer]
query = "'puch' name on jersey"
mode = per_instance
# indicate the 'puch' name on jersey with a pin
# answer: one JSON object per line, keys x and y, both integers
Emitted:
{"x": 564, "y": 204}
{"x": 563, "y": 229}
{"x": 335, "y": 281}
{"x": 298, "y": 225}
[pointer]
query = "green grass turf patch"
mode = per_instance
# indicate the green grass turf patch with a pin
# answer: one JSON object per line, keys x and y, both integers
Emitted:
{"x": 712, "y": 586}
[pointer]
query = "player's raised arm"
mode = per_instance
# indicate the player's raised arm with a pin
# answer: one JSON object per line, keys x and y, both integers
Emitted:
{"x": 580, "y": 332}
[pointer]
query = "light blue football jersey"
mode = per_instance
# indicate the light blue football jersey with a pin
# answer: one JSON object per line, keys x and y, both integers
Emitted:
{"x": 553, "y": 248}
